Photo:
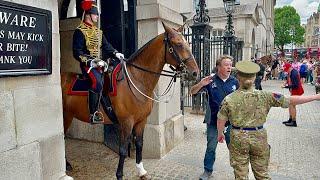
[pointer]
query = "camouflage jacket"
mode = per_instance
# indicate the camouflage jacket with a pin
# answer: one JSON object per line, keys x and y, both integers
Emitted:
{"x": 249, "y": 108}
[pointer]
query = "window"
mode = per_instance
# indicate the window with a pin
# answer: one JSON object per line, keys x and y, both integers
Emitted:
{"x": 217, "y": 32}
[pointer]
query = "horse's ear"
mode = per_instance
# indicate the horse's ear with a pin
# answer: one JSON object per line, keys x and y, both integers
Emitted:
{"x": 166, "y": 28}
{"x": 180, "y": 29}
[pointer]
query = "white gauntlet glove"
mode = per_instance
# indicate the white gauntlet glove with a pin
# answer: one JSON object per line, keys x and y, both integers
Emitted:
{"x": 119, "y": 56}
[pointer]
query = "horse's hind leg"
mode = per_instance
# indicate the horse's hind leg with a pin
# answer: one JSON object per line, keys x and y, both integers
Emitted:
{"x": 125, "y": 133}
{"x": 139, "y": 129}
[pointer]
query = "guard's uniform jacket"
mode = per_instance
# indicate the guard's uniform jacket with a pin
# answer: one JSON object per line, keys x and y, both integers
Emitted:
{"x": 86, "y": 41}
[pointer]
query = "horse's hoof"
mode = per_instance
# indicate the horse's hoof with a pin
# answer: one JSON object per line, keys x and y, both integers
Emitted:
{"x": 145, "y": 177}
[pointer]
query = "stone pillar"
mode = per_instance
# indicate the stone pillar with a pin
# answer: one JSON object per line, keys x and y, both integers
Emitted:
{"x": 31, "y": 131}
{"x": 247, "y": 51}
{"x": 164, "y": 128}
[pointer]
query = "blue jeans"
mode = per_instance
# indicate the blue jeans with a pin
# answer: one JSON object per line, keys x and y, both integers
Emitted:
{"x": 210, "y": 156}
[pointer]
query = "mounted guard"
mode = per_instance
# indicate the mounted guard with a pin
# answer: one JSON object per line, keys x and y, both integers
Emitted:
{"x": 88, "y": 42}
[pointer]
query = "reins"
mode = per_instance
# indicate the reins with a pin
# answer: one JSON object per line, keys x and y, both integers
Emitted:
{"x": 173, "y": 73}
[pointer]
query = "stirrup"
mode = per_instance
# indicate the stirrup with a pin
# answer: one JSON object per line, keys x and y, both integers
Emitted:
{"x": 97, "y": 118}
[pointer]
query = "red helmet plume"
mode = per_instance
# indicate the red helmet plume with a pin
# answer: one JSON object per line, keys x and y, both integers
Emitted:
{"x": 86, "y": 4}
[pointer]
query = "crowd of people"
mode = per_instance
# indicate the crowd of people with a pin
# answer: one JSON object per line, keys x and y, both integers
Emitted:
{"x": 238, "y": 109}
{"x": 308, "y": 69}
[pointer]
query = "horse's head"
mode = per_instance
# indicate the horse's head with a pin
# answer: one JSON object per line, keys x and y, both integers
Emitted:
{"x": 178, "y": 52}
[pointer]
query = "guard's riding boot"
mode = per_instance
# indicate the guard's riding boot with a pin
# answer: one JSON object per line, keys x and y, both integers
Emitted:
{"x": 292, "y": 124}
{"x": 95, "y": 115}
{"x": 285, "y": 122}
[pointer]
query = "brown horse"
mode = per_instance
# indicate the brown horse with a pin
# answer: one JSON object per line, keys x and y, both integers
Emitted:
{"x": 130, "y": 106}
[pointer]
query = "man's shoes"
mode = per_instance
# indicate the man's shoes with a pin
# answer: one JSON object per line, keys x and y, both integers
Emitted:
{"x": 285, "y": 122}
{"x": 292, "y": 124}
{"x": 205, "y": 175}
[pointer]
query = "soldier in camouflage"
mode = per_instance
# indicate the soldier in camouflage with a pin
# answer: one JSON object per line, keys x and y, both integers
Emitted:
{"x": 247, "y": 110}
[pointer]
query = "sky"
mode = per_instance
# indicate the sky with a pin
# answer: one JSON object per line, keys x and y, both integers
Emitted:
{"x": 305, "y": 8}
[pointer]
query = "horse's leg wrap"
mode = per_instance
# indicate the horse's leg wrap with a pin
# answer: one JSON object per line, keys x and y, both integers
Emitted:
{"x": 141, "y": 171}
{"x": 139, "y": 165}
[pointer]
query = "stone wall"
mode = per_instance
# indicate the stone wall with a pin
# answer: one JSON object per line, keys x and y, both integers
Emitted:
{"x": 164, "y": 129}
{"x": 31, "y": 131}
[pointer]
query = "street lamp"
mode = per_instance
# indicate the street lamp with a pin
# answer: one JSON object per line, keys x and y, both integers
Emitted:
{"x": 229, "y": 37}
{"x": 229, "y": 8}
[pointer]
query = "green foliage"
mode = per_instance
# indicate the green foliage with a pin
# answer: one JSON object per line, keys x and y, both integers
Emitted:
{"x": 287, "y": 27}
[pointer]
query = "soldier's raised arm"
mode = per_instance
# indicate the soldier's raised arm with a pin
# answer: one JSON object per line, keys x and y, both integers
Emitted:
{"x": 295, "y": 100}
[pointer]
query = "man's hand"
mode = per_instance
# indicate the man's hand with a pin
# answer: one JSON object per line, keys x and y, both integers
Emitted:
{"x": 206, "y": 80}
{"x": 119, "y": 56}
{"x": 221, "y": 138}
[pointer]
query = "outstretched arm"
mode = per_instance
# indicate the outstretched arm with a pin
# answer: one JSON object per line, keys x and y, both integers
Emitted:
{"x": 295, "y": 100}
{"x": 196, "y": 88}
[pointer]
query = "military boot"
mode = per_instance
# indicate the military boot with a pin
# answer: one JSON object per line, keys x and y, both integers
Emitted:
{"x": 95, "y": 115}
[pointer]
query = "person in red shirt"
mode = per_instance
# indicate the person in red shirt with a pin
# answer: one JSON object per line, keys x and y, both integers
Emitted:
{"x": 295, "y": 88}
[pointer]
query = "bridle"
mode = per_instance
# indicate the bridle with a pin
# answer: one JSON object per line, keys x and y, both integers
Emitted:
{"x": 168, "y": 47}
{"x": 181, "y": 65}
{"x": 173, "y": 52}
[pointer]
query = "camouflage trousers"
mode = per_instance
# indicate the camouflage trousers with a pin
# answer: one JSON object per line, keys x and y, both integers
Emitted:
{"x": 249, "y": 146}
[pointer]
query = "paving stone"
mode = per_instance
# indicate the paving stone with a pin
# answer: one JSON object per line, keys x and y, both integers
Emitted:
{"x": 295, "y": 152}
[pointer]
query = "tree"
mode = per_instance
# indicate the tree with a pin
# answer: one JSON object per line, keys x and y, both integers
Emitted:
{"x": 287, "y": 27}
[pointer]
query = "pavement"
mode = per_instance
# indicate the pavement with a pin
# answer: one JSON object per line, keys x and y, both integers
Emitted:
{"x": 295, "y": 151}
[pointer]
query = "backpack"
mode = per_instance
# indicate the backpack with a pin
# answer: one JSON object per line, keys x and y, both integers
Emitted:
{"x": 303, "y": 68}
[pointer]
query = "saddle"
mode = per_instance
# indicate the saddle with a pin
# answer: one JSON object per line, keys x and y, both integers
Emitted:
{"x": 80, "y": 84}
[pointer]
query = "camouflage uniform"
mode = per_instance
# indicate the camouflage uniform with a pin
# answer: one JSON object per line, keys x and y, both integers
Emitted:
{"x": 247, "y": 111}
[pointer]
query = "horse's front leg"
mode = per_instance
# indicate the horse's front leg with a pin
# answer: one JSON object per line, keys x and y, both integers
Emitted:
{"x": 142, "y": 173}
{"x": 125, "y": 133}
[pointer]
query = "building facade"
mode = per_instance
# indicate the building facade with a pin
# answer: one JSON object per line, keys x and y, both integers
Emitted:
{"x": 31, "y": 131}
{"x": 312, "y": 34}
{"x": 253, "y": 22}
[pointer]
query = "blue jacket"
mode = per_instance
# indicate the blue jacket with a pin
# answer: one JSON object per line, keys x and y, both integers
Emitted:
{"x": 217, "y": 90}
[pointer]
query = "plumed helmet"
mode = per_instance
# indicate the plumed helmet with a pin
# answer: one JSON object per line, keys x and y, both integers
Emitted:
{"x": 89, "y": 7}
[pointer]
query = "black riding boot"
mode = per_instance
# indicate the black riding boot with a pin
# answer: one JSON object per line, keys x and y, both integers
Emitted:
{"x": 95, "y": 115}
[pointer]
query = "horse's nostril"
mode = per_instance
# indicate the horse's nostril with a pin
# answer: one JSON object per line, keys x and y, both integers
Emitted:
{"x": 194, "y": 74}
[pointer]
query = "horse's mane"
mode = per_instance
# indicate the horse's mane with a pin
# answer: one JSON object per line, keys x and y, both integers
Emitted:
{"x": 139, "y": 51}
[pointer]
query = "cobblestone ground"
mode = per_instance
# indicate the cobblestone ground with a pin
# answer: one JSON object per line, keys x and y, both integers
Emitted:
{"x": 295, "y": 152}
